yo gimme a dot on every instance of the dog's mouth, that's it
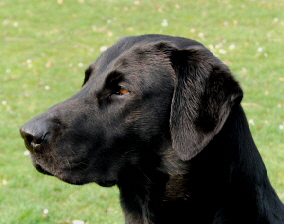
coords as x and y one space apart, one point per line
41 170
68 175
75 174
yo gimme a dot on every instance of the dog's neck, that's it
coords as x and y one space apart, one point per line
227 180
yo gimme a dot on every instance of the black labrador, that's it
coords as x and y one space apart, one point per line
160 117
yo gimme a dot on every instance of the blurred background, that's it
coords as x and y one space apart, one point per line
46 46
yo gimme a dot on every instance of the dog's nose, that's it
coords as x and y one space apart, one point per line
34 134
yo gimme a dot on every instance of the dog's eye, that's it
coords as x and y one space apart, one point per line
119 90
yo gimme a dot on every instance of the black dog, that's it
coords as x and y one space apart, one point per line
159 117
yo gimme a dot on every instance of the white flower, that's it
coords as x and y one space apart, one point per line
78 222
221 51
251 122
201 35
164 22
4 182
26 153
211 47
5 22
232 46
218 45
103 48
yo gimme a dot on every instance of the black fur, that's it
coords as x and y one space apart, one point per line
175 139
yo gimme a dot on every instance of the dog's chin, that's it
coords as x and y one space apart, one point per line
71 179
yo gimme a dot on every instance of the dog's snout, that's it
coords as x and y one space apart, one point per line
34 134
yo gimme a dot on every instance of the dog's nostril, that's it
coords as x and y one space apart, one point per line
32 141
29 139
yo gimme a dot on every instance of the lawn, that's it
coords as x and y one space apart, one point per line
46 45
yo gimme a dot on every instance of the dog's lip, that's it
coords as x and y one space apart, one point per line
41 170
103 183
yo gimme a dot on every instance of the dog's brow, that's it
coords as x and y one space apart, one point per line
115 76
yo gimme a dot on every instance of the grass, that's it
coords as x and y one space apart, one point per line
46 45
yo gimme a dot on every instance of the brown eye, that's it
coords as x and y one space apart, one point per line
120 91
123 91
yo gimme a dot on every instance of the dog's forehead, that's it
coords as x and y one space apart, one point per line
129 43
130 58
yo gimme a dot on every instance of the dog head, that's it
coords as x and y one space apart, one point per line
141 97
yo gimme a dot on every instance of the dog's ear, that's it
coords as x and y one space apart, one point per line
204 94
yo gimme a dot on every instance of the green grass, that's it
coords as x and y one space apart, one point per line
45 47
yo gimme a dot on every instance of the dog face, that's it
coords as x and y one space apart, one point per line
118 117
141 97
